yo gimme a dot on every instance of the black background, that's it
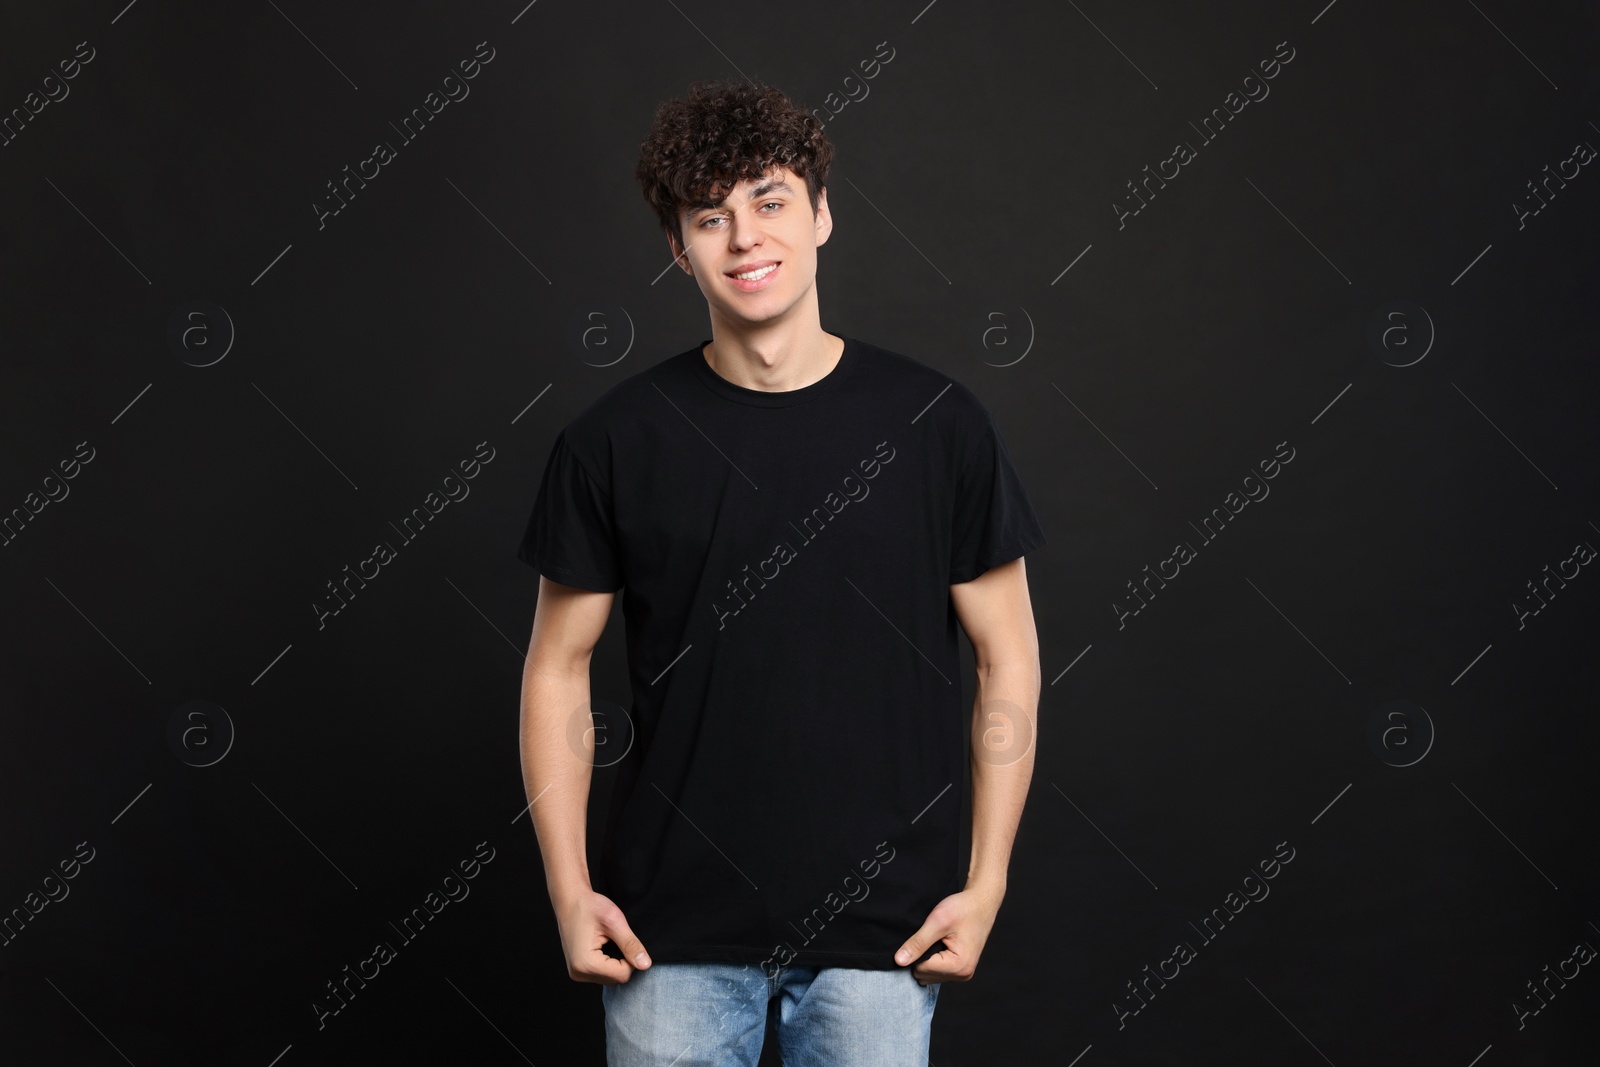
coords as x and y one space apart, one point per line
446 306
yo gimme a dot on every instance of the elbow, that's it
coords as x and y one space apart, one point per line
1018 656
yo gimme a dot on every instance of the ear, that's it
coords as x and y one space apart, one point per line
678 254
824 220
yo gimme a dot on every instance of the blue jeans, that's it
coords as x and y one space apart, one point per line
715 1015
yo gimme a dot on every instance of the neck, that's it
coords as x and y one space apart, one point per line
776 359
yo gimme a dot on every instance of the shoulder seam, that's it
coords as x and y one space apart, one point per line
582 465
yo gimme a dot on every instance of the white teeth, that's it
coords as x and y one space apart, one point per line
753 275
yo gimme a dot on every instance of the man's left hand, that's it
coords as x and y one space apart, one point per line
963 921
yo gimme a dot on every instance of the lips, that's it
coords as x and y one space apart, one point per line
758 283
752 265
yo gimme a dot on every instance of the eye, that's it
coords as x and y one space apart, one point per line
713 218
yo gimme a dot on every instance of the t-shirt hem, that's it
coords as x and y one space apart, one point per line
967 572
755 957
580 580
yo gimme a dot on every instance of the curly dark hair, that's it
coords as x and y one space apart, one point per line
723 133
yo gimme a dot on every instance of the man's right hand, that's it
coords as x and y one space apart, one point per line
586 922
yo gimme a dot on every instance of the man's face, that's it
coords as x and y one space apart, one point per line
759 223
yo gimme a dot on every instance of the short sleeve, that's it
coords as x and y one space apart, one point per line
993 520
571 536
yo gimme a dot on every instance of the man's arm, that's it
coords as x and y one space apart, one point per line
557 764
997 615
567 624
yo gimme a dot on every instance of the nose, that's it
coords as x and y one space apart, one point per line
744 230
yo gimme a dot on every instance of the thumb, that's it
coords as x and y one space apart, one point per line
918 942
626 940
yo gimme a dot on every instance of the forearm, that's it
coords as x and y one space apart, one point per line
557 762
1004 735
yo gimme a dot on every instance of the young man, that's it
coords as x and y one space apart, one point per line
798 520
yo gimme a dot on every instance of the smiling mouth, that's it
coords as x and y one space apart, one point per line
753 280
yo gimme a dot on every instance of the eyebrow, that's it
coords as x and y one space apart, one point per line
771 185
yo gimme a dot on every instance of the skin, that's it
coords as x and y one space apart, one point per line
773 340
997 615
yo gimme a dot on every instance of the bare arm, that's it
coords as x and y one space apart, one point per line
997 615
995 612
557 742
567 624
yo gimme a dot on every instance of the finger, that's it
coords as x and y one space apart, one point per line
917 943
931 934
943 966
604 969
622 935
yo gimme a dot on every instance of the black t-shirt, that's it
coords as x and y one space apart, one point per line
793 788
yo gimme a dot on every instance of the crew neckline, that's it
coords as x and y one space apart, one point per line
780 398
